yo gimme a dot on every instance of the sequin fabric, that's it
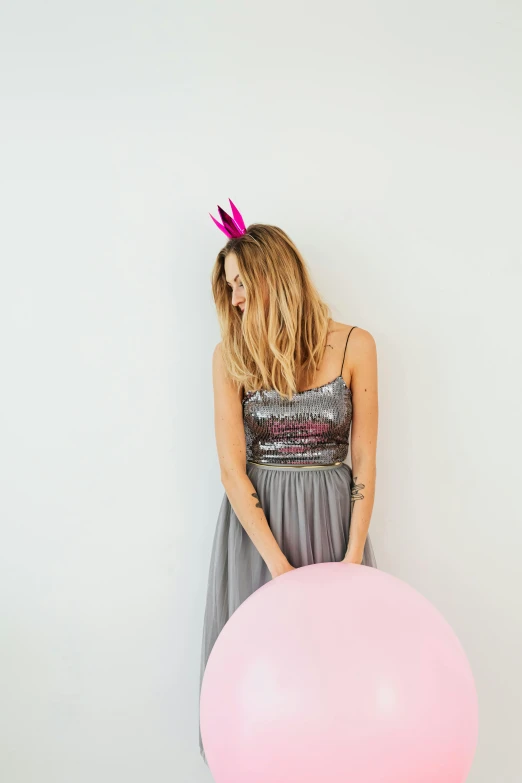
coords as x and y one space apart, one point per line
313 428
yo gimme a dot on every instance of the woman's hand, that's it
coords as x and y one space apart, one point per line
282 568
352 559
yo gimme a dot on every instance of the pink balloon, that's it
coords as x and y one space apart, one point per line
338 673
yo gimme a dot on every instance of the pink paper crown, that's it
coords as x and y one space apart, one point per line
232 226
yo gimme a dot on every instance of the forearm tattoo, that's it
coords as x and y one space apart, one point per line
356 495
256 496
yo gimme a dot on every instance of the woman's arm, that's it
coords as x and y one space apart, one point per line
364 440
231 448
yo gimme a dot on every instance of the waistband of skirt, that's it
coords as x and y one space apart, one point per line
329 466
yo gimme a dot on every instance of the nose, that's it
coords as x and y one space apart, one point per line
237 298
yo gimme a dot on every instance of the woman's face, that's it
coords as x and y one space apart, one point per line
234 282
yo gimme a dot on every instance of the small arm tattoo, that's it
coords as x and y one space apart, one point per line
256 496
356 495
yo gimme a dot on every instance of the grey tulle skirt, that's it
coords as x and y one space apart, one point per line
308 510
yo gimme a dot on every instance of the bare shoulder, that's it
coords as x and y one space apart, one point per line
360 363
228 418
223 384
219 374
361 340
217 356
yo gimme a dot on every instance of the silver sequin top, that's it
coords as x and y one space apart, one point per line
312 428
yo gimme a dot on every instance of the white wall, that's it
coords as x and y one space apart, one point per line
385 139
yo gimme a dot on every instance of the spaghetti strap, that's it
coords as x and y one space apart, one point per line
344 354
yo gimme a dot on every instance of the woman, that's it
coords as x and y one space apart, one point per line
287 387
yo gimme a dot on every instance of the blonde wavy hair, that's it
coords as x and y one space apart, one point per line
282 332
